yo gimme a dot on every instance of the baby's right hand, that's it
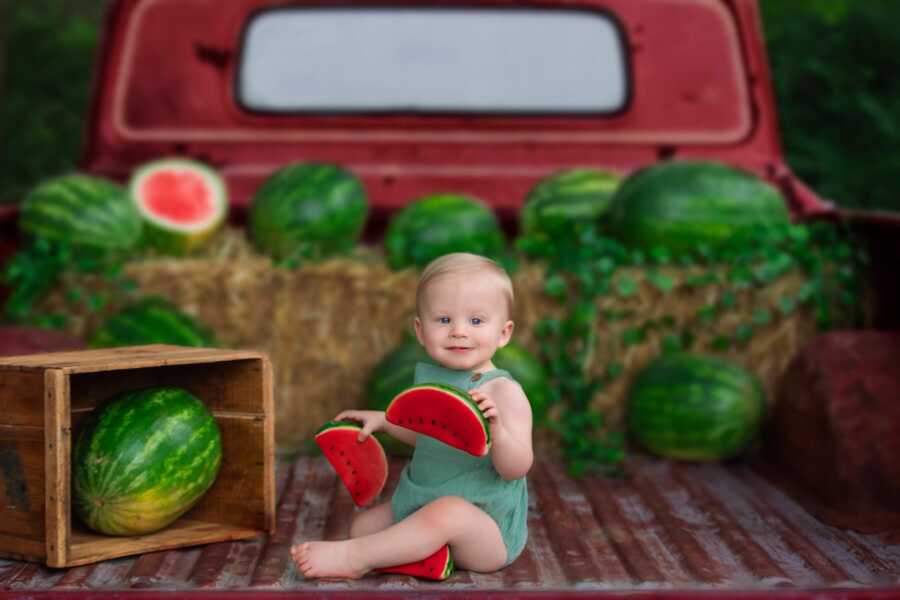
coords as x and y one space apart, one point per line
372 420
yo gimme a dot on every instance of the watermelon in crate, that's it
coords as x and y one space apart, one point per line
143 459
182 202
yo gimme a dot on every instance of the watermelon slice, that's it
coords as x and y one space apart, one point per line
182 203
443 412
362 466
438 566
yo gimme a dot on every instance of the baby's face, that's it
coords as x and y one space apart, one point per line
463 321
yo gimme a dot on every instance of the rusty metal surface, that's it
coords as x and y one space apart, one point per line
665 527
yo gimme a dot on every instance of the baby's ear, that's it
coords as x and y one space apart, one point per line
417 328
506 333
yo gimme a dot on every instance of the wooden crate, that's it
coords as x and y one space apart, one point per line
44 396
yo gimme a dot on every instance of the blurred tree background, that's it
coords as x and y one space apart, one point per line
833 62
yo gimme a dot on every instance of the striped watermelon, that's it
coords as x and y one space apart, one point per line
574 195
143 459
440 224
438 566
361 466
446 413
528 371
692 407
151 320
308 211
81 210
679 205
182 202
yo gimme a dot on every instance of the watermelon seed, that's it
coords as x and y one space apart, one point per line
433 422
421 420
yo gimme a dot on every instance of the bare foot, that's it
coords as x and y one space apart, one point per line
326 559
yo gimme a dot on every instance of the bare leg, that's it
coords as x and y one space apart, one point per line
377 518
473 536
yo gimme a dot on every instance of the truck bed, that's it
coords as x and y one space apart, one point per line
666 526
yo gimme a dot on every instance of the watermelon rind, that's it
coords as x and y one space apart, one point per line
682 205
308 211
81 210
151 320
566 197
439 224
465 402
143 459
695 407
167 235
442 559
376 457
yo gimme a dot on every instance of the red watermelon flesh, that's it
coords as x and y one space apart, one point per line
361 466
182 197
438 566
443 412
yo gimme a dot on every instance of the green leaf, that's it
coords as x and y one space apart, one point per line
744 332
632 336
555 286
787 305
626 286
762 317
660 281
720 342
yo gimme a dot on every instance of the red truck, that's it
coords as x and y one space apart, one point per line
480 97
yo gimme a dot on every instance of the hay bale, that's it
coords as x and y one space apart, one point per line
326 325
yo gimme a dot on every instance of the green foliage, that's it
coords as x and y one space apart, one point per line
43 95
838 105
36 269
584 265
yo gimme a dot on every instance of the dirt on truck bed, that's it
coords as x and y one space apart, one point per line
665 526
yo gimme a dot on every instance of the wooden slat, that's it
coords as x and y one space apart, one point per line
87 547
268 409
126 357
57 432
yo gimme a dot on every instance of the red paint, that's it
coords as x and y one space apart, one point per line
682 105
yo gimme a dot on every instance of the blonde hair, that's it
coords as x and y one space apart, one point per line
464 263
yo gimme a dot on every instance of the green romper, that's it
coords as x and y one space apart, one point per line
437 469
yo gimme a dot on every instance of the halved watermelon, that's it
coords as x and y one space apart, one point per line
438 566
362 466
443 412
182 203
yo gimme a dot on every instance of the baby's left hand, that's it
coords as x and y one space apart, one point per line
488 409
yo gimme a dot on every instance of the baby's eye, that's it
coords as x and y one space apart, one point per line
476 321
444 320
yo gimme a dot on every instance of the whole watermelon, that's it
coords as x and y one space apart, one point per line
566 197
83 211
531 375
440 224
143 459
151 320
679 205
308 211
694 407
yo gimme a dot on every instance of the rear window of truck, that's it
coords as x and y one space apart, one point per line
433 60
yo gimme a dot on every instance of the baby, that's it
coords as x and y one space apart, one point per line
479 506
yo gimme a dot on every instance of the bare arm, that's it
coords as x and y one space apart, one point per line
373 420
509 415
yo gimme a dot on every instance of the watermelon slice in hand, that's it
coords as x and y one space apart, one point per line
443 412
362 466
181 202
438 566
